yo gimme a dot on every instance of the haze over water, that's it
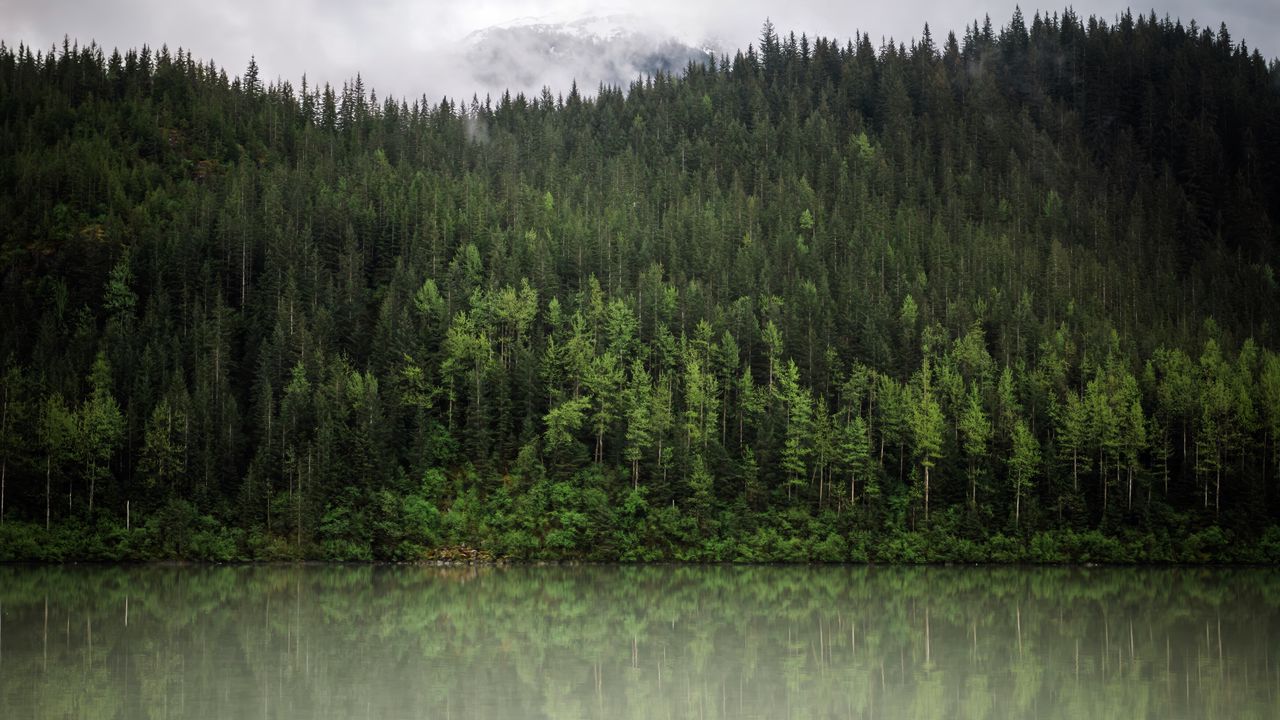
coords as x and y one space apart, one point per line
315 641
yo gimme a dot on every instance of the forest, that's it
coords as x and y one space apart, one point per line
1007 296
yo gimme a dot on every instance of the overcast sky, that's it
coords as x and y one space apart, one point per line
409 48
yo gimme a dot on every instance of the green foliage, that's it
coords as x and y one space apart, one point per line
1024 464
975 293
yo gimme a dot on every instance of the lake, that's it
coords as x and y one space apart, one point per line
337 641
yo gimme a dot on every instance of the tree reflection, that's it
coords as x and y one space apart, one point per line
650 641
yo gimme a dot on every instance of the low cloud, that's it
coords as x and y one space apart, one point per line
411 48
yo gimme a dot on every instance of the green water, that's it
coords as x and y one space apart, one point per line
320 641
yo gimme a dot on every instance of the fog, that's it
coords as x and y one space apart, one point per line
419 48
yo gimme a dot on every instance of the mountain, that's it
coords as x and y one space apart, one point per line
529 53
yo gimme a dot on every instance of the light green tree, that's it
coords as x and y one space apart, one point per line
701 489
1104 431
1176 392
751 402
927 425
468 351
563 422
773 343
604 381
1269 396
163 446
798 408
1133 430
661 419
975 430
701 400
637 407
100 427
1023 463
823 446
855 449
57 433
1073 436
1218 421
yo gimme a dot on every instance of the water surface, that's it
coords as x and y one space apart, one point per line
318 641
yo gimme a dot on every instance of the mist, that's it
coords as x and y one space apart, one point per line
411 49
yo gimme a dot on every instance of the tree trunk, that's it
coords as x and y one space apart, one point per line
1217 490
48 470
818 473
4 464
662 464
1103 474
926 494
973 486
1166 472
1184 445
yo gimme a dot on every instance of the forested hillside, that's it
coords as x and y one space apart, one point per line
1007 295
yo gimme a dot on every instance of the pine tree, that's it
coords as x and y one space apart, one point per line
976 431
798 407
927 425
855 448
637 406
100 427
57 433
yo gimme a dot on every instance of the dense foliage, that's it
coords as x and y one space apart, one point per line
1010 297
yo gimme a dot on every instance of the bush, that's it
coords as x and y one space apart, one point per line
1205 546
832 548
170 529
1004 549
857 547
1093 546
1268 548
343 535
1046 547
903 548
213 543
20 541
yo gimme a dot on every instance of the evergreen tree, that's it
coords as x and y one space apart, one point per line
926 428
976 431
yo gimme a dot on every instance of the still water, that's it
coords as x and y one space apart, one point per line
328 641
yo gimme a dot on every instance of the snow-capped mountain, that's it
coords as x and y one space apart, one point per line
529 53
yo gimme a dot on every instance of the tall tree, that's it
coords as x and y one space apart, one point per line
100 427
927 426
1024 461
975 428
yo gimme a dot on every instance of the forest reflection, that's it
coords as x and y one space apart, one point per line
638 641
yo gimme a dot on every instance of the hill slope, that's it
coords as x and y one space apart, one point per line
1006 296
